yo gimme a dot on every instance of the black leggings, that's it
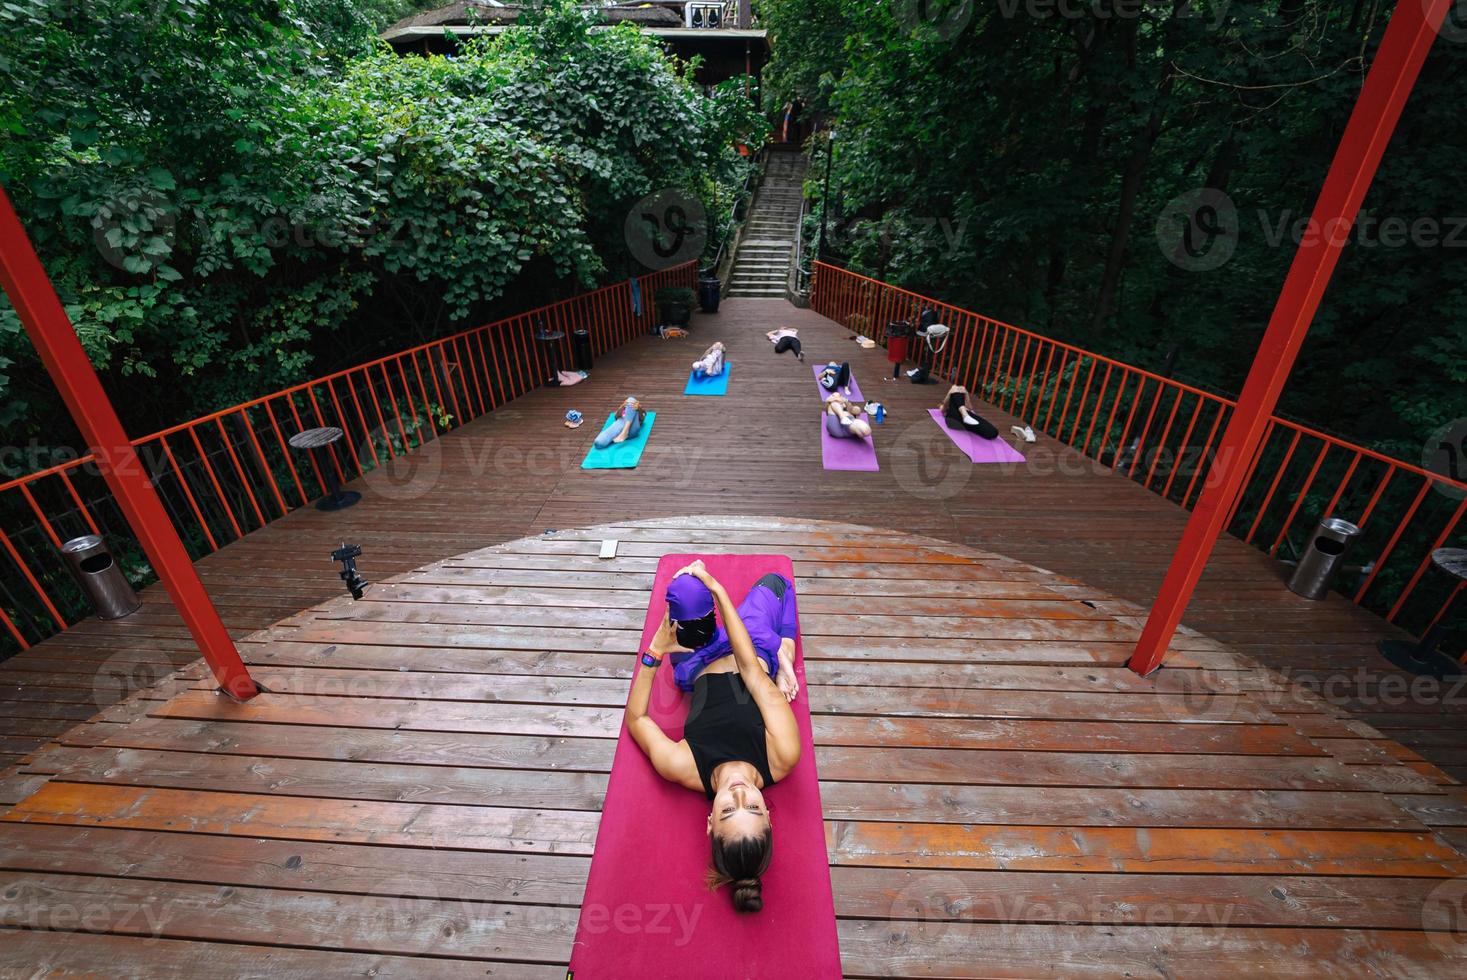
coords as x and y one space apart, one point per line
773 583
841 378
979 426
788 343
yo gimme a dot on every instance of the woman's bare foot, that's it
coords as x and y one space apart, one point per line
785 680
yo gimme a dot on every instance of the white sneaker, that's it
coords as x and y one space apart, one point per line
1023 432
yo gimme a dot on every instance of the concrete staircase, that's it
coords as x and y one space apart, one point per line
762 263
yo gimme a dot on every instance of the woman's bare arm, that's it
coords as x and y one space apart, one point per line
672 760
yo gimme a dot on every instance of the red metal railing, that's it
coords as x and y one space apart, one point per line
1161 433
232 471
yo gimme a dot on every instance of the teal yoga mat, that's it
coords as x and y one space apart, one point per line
709 386
622 455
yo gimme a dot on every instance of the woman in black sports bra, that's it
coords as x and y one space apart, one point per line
740 737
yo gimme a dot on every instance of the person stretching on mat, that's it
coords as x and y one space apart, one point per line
740 736
785 339
710 365
626 425
842 420
836 377
959 416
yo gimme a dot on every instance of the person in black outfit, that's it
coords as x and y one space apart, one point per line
740 736
959 416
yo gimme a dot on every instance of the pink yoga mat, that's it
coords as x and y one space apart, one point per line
646 913
855 394
847 454
978 449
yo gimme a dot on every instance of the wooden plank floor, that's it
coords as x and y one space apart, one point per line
516 472
419 793
1040 798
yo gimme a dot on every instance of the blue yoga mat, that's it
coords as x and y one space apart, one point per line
709 386
621 455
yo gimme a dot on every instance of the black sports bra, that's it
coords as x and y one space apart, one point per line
724 725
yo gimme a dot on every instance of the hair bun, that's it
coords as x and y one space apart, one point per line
747 895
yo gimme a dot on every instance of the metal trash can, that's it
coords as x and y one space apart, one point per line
99 576
1323 558
581 349
548 342
710 290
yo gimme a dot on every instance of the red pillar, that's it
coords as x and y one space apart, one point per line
31 293
1403 50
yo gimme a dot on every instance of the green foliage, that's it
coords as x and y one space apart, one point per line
231 197
675 296
1020 167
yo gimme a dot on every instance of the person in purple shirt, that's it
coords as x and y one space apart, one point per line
768 612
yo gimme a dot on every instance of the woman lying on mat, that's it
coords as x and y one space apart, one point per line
710 365
740 736
959 416
836 377
626 425
785 339
843 420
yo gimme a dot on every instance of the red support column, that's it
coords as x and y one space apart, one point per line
31 293
1403 50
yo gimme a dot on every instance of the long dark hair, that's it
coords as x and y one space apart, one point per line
741 861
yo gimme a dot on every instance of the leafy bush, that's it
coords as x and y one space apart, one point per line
231 197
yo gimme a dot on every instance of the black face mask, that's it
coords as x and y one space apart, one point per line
697 633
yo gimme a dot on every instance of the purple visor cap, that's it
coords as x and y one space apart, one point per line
688 599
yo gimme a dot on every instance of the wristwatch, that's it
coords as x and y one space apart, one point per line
650 661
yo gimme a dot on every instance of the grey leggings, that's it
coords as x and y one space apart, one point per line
710 366
633 419
834 427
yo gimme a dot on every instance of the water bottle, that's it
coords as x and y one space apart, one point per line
880 413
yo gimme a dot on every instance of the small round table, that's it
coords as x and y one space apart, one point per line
1423 658
318 443
550 343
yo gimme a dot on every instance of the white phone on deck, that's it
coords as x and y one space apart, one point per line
608 548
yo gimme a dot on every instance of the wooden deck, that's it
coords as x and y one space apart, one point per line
1003 798
419 793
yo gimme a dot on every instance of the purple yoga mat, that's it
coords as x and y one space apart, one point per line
855 394
846 454
978 449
